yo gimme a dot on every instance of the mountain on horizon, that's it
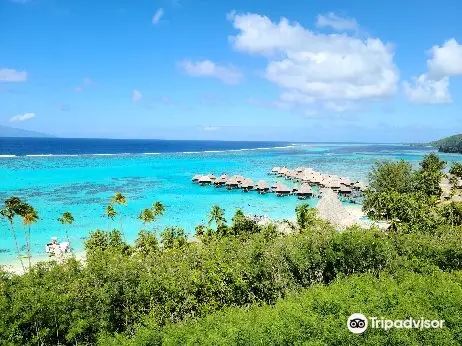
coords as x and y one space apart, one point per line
6 131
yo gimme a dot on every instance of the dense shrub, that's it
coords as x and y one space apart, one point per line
318 315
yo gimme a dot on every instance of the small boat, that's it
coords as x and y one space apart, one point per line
56 248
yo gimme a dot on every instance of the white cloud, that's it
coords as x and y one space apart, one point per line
22 117
446 61
427 90
211 128
207 68
157 16
136 95
11 75
317 67
433 87
336 22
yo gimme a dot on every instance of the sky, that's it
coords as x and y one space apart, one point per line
331 70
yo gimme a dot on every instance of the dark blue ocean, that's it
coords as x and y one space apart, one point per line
81 146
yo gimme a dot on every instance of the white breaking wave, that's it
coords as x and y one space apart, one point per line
153 153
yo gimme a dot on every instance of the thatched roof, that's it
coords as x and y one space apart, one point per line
196 177
305 189
232 181
222 179
331 210
276 169
247 183
205 179
299 169
360 186
262 185
212 177
282 188
345 189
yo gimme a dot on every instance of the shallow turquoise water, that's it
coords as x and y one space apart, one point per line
83 185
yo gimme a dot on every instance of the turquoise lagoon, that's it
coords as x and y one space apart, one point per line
84 184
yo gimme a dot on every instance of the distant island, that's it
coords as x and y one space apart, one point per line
452 144
6 131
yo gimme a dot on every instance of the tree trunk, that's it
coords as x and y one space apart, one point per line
17 245
28 247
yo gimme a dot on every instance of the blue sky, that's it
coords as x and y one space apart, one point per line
233 70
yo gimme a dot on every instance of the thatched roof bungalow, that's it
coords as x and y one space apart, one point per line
282 190
275 170
304 191
247 185
262 186
205 180
221 180
232 183
196 178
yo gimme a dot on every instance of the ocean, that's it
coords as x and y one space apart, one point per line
81 175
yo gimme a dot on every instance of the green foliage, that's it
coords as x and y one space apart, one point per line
146 243
405 197
306 216
456 169
452 213
217 216
242 225
121 288
173 237
430 175
392 176
318 316
100 241
452 144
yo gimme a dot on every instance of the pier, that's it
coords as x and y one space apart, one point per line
305 183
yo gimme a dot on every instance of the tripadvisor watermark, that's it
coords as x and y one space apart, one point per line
358 323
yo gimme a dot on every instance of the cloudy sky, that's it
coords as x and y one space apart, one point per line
377 71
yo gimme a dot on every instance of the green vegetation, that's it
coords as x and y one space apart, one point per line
242 283
452 144
318 315
408 199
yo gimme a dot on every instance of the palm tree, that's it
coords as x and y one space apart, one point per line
147 216
110 214
217 215
158 209
119 199
9 211
29 216
66 218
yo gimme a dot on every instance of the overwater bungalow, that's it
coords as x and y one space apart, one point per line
304 191
316 179
232 184
275 170
238 178
247 185
262 187
205 180
196 178
299 169
282 190
221 181
345 190
283 171
212 177
359 186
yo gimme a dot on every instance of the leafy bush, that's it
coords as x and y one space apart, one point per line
318 316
